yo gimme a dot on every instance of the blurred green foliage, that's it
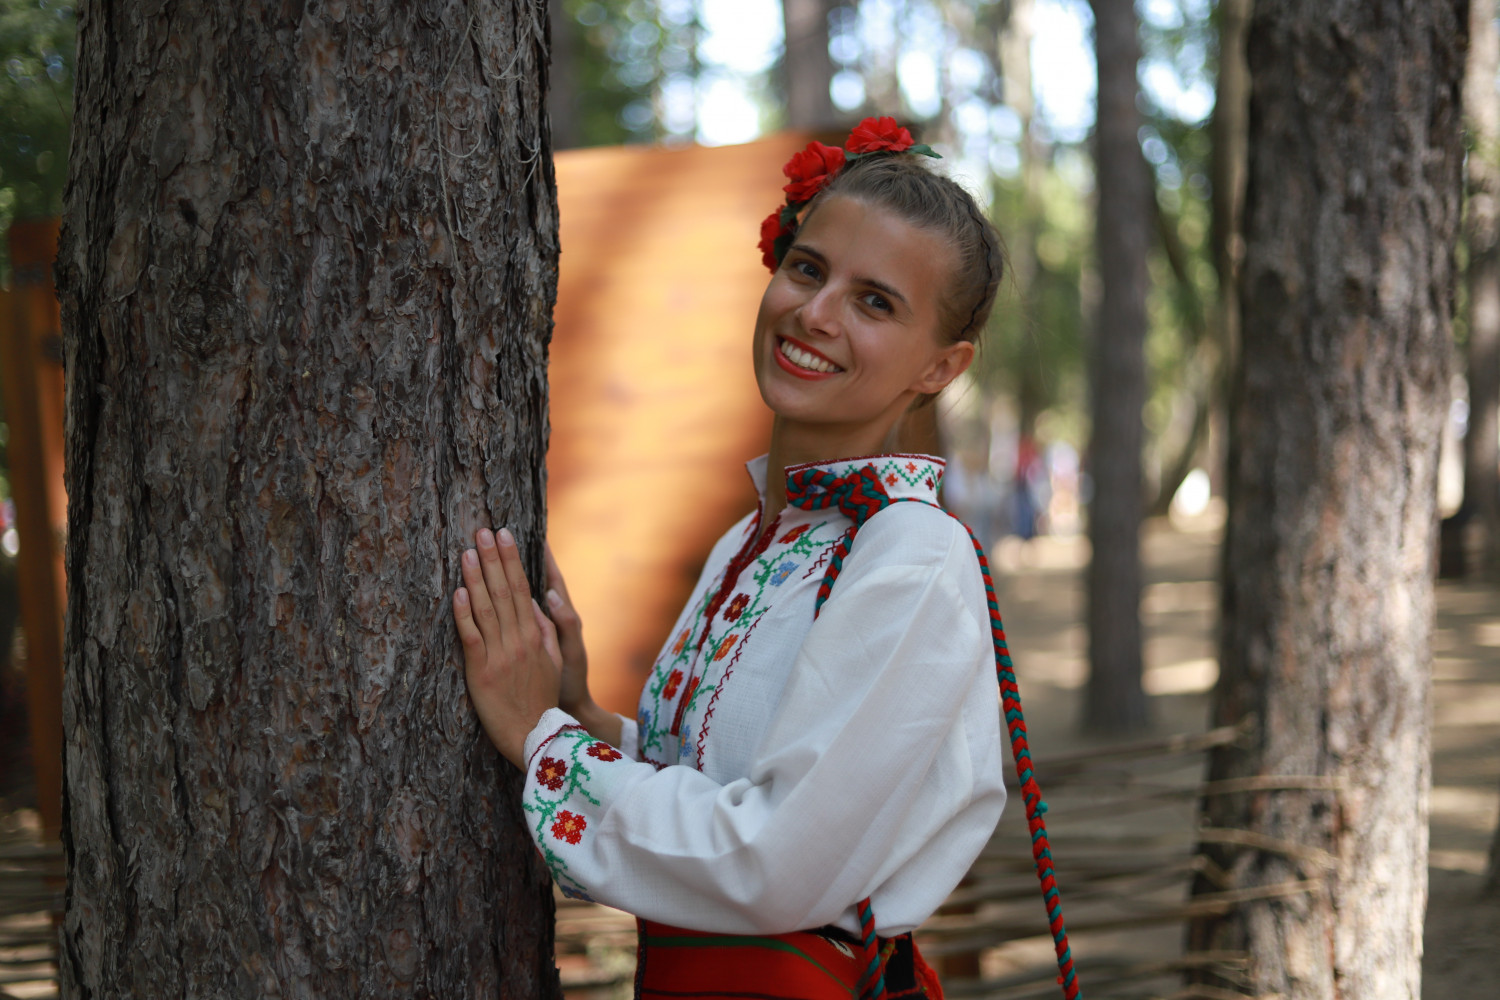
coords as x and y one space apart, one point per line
36 107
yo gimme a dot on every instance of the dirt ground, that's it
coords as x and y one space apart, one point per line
1041 597
1042 601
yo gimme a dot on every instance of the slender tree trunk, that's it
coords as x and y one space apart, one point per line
1351 215
1482 232
807 66
307 271
1229 130
562 78
1027 367
1491 888
1115 701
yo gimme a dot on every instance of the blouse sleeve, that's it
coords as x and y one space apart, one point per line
886 740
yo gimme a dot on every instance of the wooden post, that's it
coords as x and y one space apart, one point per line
31 367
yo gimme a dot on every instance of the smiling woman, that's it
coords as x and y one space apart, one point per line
815 760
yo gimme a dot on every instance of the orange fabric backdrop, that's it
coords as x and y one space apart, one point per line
653 403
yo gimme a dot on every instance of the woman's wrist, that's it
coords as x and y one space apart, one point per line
585 710
600 722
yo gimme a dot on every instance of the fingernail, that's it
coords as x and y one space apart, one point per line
554 599
461 598
471 558
485 538
506 538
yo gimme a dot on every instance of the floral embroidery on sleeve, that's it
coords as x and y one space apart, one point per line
564 773
569 826
550 773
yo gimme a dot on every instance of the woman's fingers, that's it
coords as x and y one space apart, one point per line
554 575
549 633
498 584
564 615
481 608
520 590
468 630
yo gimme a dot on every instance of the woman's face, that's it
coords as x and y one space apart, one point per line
847 334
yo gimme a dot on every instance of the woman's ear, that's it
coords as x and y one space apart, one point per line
951 362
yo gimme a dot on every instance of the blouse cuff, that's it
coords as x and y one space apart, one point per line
552 722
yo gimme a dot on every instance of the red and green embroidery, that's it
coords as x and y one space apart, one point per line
688 667
562 770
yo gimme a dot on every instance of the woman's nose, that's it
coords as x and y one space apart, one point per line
820 314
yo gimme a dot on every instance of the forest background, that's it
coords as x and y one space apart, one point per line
1006 89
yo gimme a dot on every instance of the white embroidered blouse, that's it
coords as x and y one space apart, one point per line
780 767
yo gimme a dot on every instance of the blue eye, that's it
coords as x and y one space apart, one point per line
807 268
878 301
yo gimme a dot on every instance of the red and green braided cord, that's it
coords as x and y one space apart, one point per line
859 496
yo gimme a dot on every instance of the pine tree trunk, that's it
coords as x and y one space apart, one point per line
1482 233
1228 134
1351 215
1115 701
1481 451
807 66
307 274
562 77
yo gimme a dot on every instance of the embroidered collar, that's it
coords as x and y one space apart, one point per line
902 475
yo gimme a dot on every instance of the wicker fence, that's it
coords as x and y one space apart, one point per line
1123 832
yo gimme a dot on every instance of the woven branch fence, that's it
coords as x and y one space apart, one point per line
1123 829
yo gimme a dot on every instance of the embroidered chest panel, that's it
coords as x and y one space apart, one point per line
735 645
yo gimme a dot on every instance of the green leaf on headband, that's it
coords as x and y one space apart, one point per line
925 150
782 244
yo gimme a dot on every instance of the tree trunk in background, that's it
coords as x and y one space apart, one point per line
562 77
1482 232
807 66
1355 144
1115 701
1029 369
1228 132
307 273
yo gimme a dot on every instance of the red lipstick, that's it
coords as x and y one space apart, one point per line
803 373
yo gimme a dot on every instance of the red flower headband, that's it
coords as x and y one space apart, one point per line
811 170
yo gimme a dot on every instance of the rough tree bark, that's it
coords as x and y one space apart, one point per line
1352 211
807 67
1115 701
307 271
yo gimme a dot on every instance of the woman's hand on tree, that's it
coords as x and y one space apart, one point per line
512 662
573 697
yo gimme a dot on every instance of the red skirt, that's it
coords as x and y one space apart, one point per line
677 964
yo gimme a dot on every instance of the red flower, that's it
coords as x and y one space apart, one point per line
911 466
810 170
569 826
681 641
874 135
890 479
725 647
604 752
770 230
794 534
551 772
671 689
737 607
